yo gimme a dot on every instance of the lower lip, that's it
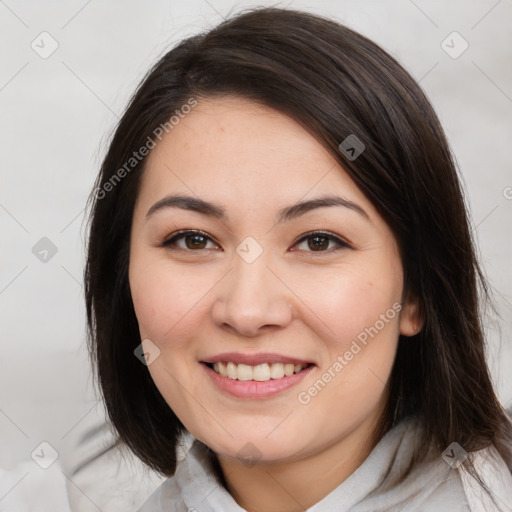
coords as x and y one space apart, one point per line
253 388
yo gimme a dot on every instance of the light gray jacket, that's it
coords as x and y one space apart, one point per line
442 486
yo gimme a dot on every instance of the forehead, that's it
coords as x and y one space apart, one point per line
240 151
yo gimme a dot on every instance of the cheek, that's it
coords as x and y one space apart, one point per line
168 304
167 300
358 316
347 304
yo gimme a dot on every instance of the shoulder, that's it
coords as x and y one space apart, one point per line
494 473
439 484
166 497
437 487
451 487
194 485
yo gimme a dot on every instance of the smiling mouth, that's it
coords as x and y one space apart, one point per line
260 373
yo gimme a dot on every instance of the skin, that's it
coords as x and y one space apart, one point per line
194 301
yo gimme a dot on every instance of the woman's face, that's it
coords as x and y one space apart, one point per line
258 291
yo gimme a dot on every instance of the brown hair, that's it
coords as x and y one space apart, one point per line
334 82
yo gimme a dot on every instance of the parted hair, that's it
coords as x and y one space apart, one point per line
334 82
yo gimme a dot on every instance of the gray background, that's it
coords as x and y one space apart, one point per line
56 116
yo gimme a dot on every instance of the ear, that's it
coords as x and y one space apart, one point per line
412 317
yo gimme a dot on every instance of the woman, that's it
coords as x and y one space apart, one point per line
280 271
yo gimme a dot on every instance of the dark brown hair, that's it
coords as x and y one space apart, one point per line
334 82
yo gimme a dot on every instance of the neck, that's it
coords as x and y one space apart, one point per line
297 485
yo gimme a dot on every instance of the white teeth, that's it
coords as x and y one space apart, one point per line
232 370
289 369
277 371
261 372
244 372
222 369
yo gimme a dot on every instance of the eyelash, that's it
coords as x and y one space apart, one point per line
169 242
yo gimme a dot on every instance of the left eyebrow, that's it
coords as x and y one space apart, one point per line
301 208
284 215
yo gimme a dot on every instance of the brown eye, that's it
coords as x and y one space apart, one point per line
193 240
319 242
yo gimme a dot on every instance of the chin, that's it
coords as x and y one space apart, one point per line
257 449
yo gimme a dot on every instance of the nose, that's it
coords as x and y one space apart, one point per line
252 299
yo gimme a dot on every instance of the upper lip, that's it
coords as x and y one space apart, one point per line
255 359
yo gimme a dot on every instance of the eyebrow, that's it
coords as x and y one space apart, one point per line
284 215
